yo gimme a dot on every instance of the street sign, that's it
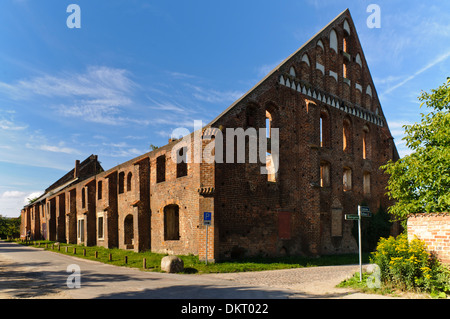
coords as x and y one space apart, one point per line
351 217
207 218
207 222
364 211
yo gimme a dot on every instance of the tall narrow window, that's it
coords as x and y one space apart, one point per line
161 169
324 124
129 181
365 142
324 174
182 162
100 190
268 123
333 41
80 230
128 231
347 179
100 221
121 182
270 165
83 197
346 135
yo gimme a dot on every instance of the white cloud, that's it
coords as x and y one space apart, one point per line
436 61
97 95
12 202
214 96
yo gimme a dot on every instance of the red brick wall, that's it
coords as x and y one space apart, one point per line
434 230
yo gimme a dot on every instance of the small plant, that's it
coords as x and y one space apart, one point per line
407 265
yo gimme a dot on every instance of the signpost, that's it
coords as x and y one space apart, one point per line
207 222
363 211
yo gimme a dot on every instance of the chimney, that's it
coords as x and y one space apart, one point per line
76 171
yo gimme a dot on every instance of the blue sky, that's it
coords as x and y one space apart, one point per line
136 70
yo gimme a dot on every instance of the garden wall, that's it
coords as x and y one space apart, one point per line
434 230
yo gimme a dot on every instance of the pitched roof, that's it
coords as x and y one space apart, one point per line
332 22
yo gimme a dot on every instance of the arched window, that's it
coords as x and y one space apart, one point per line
333 41
346 27
292 71
270 161
305 59
171 222
268 123
121 182
182 162
358 60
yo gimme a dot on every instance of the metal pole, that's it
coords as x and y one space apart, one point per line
207 244
360 247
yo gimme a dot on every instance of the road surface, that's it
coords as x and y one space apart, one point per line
27 272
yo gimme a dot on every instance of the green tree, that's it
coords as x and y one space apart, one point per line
9 227
420 182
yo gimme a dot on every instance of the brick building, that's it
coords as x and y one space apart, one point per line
332 139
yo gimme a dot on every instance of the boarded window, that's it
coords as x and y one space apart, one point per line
347 179
284 225
324 174
171 222
161 169
366 184
336 222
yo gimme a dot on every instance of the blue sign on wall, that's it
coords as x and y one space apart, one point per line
207 218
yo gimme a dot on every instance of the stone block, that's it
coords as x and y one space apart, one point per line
172 264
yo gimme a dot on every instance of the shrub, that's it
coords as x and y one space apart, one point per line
408 265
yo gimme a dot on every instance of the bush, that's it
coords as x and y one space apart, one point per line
408 266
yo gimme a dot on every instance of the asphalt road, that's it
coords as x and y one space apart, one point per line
27 272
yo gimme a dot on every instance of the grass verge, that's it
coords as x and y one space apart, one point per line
192 265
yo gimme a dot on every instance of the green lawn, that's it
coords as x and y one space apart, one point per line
191 263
